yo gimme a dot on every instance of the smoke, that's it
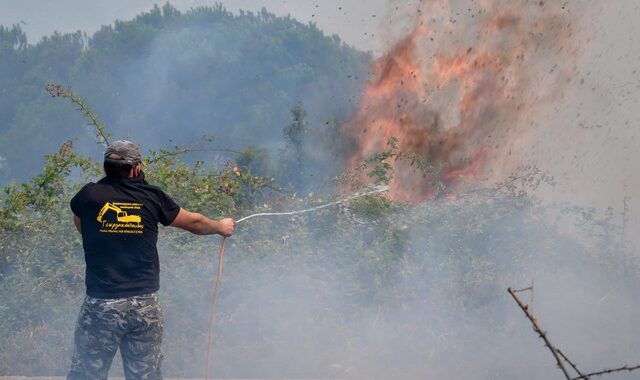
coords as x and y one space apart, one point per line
423 294
194 80
372 292
384 290
168 78
463 88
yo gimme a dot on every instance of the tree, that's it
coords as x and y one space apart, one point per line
167 77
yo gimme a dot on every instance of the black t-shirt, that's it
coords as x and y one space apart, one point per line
119 225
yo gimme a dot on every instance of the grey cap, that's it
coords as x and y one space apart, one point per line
125 150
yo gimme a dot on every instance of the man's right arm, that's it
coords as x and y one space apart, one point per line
201 225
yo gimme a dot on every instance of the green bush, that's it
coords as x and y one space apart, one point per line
370 289
299 293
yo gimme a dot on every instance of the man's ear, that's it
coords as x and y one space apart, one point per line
135 171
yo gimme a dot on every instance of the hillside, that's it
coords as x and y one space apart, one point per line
168 77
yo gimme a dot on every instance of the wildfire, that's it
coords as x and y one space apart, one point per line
462 89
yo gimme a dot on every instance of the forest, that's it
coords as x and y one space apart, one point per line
168 78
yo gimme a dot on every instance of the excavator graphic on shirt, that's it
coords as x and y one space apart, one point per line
121 216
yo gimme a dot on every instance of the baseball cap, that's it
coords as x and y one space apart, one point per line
128 152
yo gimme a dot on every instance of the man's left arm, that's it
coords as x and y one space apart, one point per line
76 221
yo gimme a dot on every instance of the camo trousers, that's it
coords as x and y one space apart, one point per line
133 324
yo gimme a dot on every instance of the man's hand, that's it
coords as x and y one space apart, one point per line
201 225
227 227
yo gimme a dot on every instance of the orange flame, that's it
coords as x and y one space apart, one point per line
460 90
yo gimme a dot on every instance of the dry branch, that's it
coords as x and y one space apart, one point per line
58 91
557 354
575 368
541 333
607 371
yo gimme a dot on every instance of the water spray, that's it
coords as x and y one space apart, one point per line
375 190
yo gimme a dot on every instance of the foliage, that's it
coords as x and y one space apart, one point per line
56 90
379 169
254 160
373 260
167 77
294 159
371 285
294 132
41 251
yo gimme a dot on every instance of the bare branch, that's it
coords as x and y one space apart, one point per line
557 354
575 368
58 91
607 371
541 333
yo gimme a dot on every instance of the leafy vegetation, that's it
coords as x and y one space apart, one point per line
372 289
169 77
349 285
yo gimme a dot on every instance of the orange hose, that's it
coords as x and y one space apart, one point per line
214 304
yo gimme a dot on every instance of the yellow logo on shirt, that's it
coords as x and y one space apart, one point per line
120 221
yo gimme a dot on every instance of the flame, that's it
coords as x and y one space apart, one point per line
461 91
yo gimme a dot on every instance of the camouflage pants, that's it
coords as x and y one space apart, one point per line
133 324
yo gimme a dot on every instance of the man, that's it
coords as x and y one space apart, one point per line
118 218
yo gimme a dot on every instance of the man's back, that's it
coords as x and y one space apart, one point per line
119 228
118 218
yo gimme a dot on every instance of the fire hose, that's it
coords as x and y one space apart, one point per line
216 286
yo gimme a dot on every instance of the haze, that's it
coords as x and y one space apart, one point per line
590 143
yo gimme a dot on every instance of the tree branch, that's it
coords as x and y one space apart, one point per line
575 368
557 354
57 91
541 333
607 371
